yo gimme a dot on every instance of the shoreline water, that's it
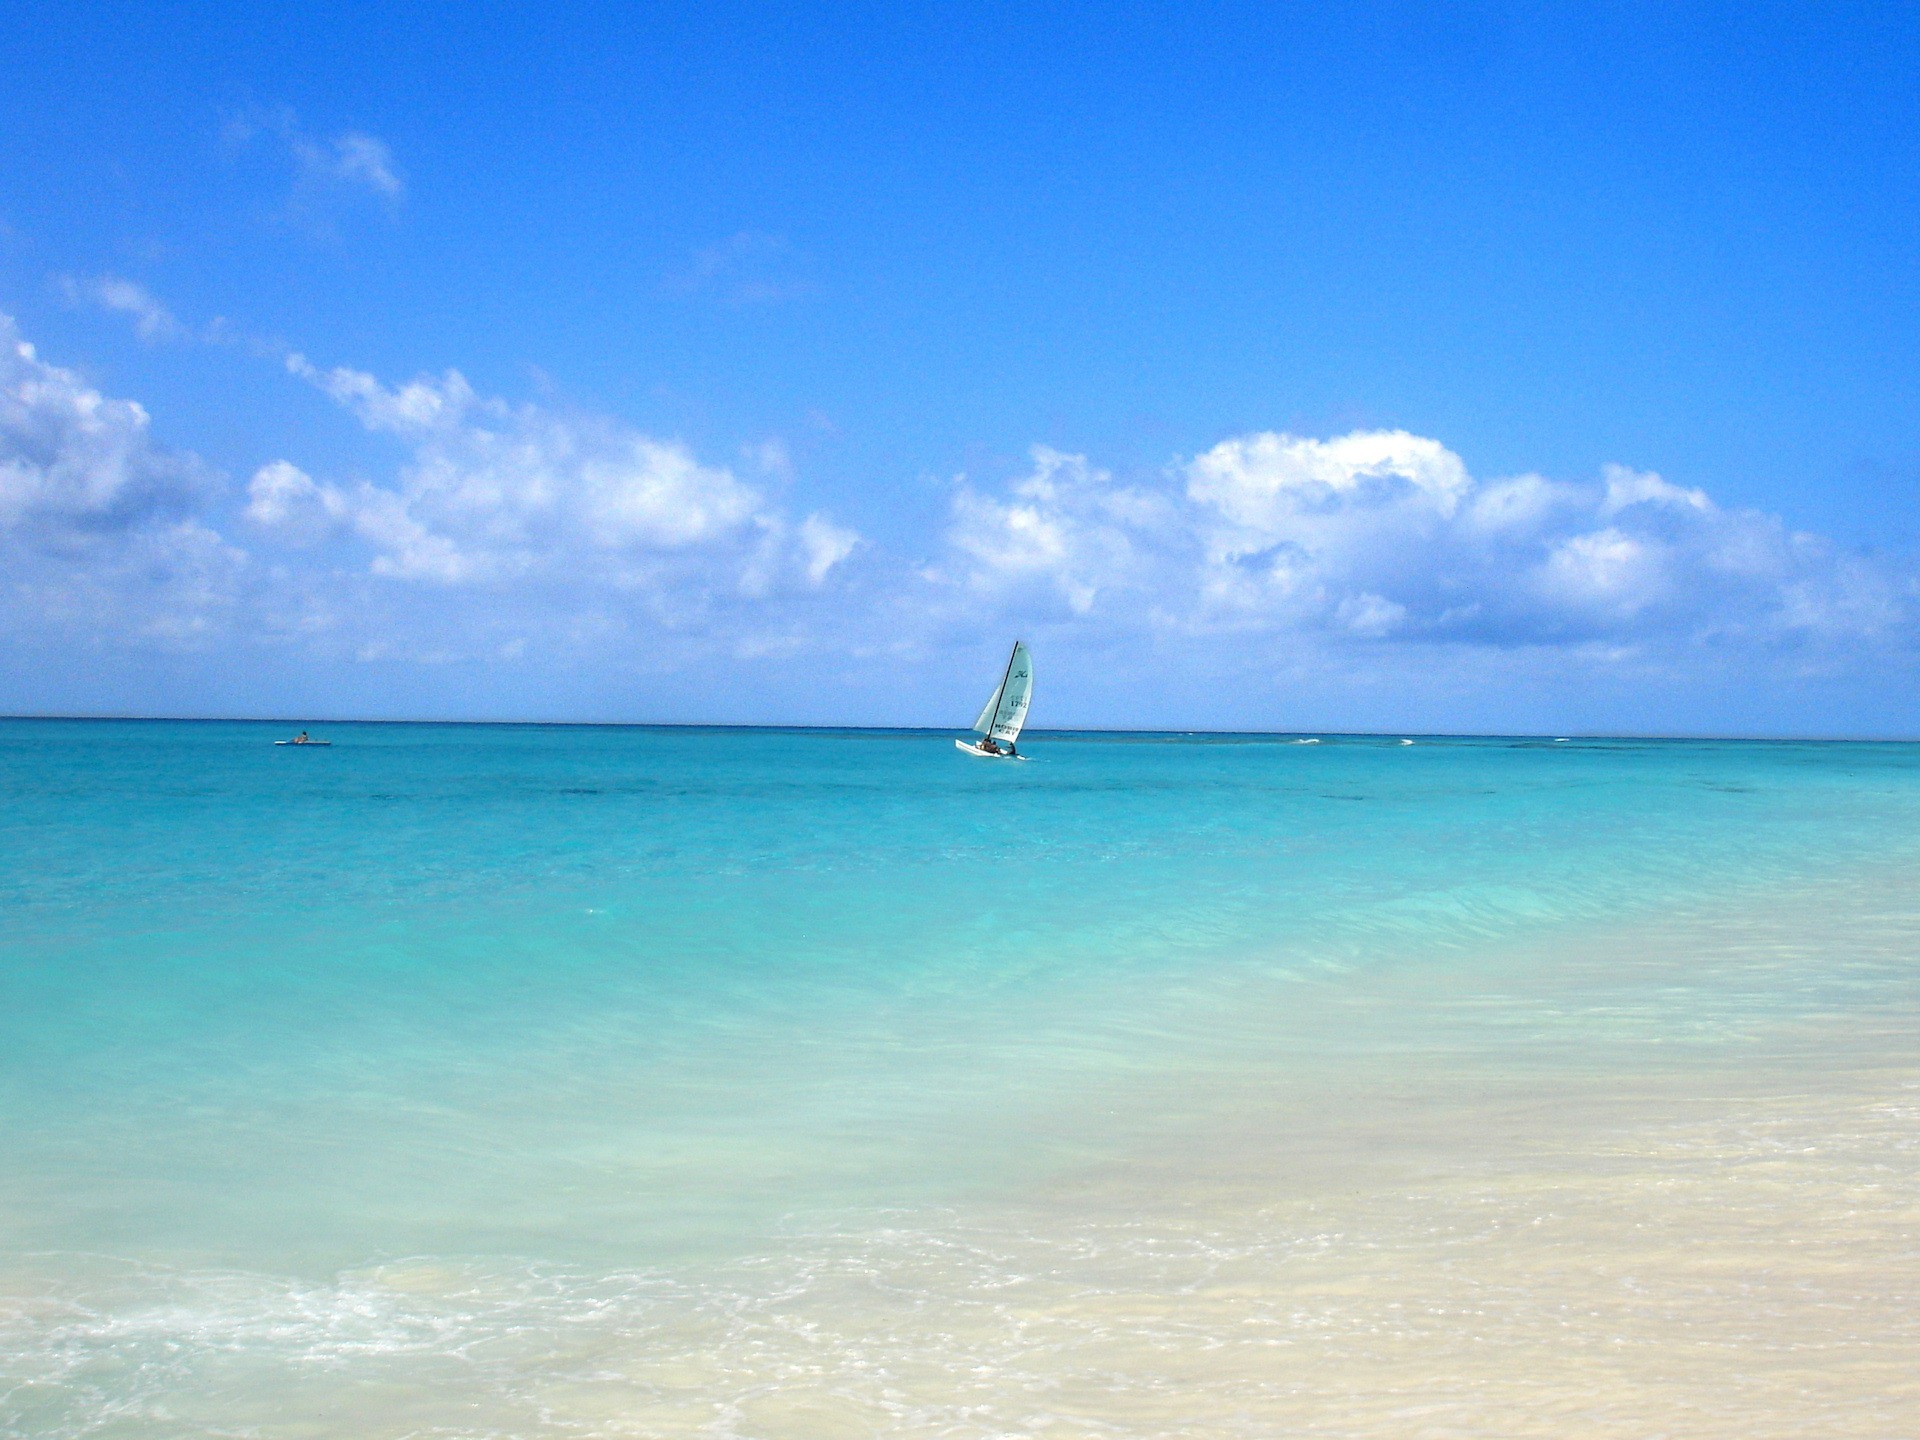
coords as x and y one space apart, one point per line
1704 1242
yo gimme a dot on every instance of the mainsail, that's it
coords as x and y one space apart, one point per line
1006 709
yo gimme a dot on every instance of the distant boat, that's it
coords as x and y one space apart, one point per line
302 740
1005 711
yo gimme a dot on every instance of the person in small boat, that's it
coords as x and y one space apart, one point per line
988 746
301 738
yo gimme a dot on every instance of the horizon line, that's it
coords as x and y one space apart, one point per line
1820 739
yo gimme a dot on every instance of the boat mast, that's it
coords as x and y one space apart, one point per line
1001 697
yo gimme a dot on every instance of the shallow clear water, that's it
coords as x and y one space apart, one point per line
511 1080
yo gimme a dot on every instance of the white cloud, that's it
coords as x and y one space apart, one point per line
578 526
1065 527
284 498
287 503
1518 504
492 488
73 458
100 525
1641 487
1385 534
151 320
1271 489
825 545
476 528
358 159
1607 570
327 170
1370 615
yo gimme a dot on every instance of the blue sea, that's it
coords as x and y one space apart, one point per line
476 1080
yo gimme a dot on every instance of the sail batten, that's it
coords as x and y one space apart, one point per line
1006 709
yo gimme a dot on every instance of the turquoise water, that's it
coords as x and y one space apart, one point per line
607 998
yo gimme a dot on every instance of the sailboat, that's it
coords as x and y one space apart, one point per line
1005 711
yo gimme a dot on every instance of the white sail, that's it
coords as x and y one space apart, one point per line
984 725
1006 709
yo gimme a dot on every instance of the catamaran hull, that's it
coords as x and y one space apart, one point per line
979 754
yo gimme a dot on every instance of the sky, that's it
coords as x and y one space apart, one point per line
1495 368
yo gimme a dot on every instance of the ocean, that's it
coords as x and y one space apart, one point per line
496 1080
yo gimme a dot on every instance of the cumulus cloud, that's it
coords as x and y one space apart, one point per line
1267 488
492 489
1065 528
824 545
101 532
484 530
1385 534
284 499
73 459
582 530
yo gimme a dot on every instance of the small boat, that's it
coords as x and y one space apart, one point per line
303 743
1006 709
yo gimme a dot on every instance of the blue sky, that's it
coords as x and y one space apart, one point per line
1506 368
